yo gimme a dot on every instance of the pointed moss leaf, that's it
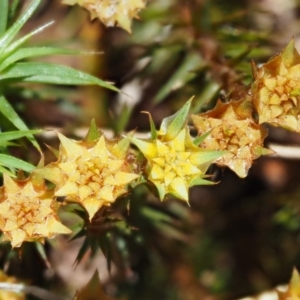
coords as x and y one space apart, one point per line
37 178
182 75
201 181
8 36
82 251
21 175
3 15
199 139
171 126
288 53
34 52
152 126
161 192
209 156
93 133
13 46
12 162
7 110
41 163
12 135
122 146
53 150
52 73
263 151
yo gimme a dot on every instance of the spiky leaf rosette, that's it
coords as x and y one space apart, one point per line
293 291
110 12
8 295
232 129
276 90
28 211
174 163
90 172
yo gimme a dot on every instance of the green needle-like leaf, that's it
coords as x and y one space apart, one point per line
93 133
12 135
7 110
201 181
12 162
3 15
15 45
52 73
22 53
207 156
199 139
152 126
8 36
171 126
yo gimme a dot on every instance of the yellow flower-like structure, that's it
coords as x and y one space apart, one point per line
276 90
112 12
28 211
232 129
90 173
176 164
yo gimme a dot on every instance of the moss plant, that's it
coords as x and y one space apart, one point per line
97 175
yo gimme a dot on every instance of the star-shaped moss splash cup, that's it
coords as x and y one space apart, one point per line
92 172
174 163
111 13
276 90
28 211
229 127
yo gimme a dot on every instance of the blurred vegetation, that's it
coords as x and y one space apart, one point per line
236 238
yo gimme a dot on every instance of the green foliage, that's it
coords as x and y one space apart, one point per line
14 71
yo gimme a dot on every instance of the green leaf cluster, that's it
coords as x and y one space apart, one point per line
16 70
